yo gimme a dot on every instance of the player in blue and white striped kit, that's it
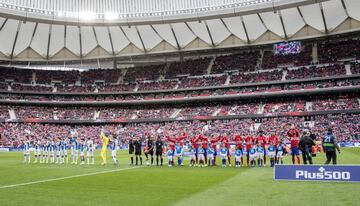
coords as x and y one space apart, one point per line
192 153
82 148
223 154
260 151
238 155
74 150
210 154
37 152
58 151
46 152
52 151
26 150
64 153
90 151
179 151
114 146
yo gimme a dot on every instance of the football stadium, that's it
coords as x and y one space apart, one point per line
180 102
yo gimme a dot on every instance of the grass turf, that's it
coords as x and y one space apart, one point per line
165 186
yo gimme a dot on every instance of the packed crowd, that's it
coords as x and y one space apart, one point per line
335 104
346 127
186 82
244 62
332 51
264 76
355 68
205 81
270 60
160 85
313 71
268 108
151 72
175 94
192 67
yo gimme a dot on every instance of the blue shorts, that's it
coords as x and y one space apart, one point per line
295 151
196 152
205 152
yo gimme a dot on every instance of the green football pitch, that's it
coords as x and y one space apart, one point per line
45 184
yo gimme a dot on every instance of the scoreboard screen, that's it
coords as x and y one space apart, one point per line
285 48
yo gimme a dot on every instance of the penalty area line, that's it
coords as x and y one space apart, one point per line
68 177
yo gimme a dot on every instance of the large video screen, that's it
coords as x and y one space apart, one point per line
285 48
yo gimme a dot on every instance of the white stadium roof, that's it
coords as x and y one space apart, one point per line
60 30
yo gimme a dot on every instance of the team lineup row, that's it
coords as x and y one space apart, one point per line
201 150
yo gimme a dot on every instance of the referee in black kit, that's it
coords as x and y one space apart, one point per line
330 146
131 151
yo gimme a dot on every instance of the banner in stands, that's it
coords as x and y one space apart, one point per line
336 173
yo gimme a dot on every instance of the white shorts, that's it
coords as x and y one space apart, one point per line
260 155
252 156
74 152
65 153
210 156
58 153
81 153
178 155
223 156
192 157
90 153
170 158
201 157
271 154
52 152
237 158
46 152
38 152
280 154
113 153
26 152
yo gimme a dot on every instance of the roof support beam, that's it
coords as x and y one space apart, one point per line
16 36
211 38
176 40
323 18
190 29
111 42
48 43
3 24
262 21
81 51
33 34
246 33
227 28
141 40
96 38
345 9
302 16
282 25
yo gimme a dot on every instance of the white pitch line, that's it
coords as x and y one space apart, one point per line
68 177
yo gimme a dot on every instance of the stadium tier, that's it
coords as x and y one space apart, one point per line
348 131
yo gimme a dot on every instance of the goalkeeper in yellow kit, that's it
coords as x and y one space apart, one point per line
104 146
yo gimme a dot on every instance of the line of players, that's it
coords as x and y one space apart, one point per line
203 151
56 152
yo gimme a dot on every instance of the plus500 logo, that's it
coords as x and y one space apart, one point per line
325 175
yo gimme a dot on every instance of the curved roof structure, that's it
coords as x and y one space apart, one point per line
58 30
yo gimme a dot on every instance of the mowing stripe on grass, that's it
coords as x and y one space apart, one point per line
68 177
